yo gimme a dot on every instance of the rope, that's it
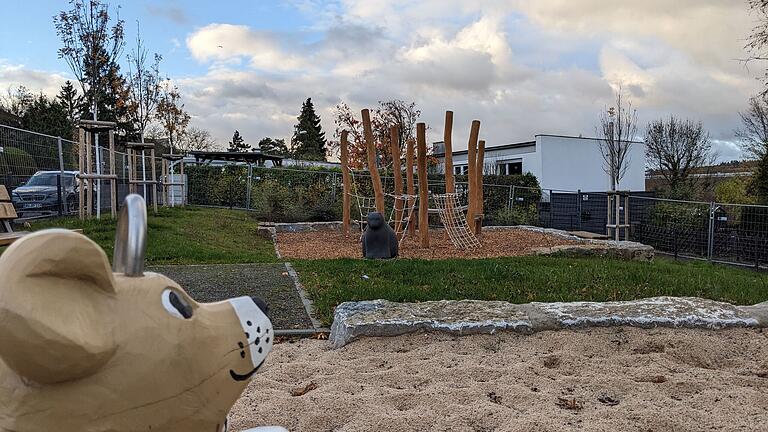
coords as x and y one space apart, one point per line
367 204
455 222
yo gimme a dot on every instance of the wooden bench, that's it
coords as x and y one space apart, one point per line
7 215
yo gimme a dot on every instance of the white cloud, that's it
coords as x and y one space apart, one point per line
14 75
227 43
521 66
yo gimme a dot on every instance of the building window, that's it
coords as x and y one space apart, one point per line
460 170
510 168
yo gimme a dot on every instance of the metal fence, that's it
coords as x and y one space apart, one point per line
54 190
730 233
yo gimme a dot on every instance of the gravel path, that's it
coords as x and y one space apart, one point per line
271 282
495 243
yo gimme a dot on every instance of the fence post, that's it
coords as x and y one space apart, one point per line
248 188
512 197
61 174
333 188
711 232
578 207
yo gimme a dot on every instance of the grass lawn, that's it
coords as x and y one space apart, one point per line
185 236
524 279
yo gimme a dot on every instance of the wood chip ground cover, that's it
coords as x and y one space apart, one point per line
495 243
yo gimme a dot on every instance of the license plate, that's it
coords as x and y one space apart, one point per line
32 205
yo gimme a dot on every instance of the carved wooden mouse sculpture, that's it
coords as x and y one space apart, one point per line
84 349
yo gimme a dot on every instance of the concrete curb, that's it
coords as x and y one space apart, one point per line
309 307
353 320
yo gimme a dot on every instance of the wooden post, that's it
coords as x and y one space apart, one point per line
423 184
372 167
471 168
88 166
409 184
183 183
154 178
448 144
346 204
112 182
394 144
81 167
480 163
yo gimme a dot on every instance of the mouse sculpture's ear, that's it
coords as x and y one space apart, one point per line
56 301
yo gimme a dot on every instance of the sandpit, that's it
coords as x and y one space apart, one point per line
331 244
608 379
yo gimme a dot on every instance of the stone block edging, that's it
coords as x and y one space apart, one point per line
353 320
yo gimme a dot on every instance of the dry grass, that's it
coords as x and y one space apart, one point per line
495 243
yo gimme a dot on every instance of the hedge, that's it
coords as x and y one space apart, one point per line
307 194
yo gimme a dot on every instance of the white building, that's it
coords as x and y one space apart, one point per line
558 162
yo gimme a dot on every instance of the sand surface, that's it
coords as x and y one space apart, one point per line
495 243
612 379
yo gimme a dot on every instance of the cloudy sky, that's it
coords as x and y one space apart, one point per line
522 67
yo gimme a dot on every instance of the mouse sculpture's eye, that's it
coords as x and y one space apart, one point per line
176 304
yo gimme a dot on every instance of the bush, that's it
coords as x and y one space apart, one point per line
681 215
518 215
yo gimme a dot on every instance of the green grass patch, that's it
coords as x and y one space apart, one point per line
185 235
524 279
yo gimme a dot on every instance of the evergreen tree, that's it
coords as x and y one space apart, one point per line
276 147
238 144
308 139
71 101
48 117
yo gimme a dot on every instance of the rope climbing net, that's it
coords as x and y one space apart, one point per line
404 204
454 219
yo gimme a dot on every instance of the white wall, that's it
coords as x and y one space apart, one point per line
569 163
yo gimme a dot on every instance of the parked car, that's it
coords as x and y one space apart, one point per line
40 193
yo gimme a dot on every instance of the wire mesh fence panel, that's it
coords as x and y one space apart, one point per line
739 234
680 228
30 168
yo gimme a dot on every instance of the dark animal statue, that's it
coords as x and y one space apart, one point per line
379 239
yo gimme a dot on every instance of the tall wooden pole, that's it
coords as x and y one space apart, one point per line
409 184
88 167
448 144
474 133
421 140
81 168
372 167
394 145
154 178
346 209
112 182
479 187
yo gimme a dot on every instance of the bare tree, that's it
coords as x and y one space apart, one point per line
196 138
171 113
17 100
91 47
143 86
618 128
758 40
389 113
676 148
754 130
